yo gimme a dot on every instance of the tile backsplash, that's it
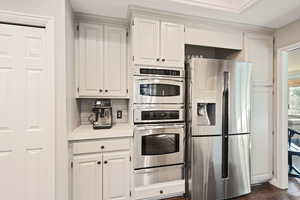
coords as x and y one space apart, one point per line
117 105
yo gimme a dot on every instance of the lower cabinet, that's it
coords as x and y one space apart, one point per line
101 176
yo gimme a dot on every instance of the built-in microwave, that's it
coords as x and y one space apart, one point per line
158 145
158 113
158 85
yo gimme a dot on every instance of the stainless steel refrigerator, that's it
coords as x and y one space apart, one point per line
218 124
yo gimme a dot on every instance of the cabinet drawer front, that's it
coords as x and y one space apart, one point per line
161 190
101 146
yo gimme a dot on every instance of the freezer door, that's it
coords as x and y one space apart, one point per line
238 181
239 88
205 182
205 86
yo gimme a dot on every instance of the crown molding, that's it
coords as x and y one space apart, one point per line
189 20
100 19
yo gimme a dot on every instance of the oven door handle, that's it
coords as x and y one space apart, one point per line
158 127
158 79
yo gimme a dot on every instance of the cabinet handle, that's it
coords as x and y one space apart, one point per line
106 90
102 147
100 90
161 191
163 60
105 162
157 59
99 162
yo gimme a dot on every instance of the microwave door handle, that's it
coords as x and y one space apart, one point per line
225 121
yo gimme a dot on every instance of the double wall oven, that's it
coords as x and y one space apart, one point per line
159 135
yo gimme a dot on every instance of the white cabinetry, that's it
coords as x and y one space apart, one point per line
101 170
102 61
258 49
158 43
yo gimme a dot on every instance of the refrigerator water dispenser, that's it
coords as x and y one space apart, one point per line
206 113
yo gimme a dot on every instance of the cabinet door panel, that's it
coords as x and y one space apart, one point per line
172 44
91 59
116 176
259 51
87 177
115 67
261 134
146 41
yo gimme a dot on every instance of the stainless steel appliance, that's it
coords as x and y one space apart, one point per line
157 113
158 145
218 124
158 85
102 114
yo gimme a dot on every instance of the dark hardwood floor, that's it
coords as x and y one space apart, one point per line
269 192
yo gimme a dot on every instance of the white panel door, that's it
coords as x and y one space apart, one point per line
27 120
91 59
116 176
172 44
146 39
261 134
115 67
87 177
259 51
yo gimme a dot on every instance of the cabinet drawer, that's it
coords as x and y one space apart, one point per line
161 190
101 146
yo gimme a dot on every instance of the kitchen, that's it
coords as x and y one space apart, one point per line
157 105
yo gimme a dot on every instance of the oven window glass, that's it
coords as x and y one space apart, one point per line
160 144
160 115
160 90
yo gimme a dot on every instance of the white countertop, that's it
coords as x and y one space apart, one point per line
86 132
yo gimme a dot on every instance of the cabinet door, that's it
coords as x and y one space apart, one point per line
172 44
116 176
87 177
146 41
115 67
91 59
259 51
261 134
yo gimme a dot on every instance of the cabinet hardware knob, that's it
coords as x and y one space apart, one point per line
157 59
105 162
163 60
106 90
161 191
102 147
100 90
99 162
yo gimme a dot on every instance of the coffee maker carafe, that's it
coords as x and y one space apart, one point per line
102 114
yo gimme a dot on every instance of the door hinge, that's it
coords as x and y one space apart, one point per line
184 29
127 91
71 164
78 89
77 27
129 158
133 58
130 193
127 34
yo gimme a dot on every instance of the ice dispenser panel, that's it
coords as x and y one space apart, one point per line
206 113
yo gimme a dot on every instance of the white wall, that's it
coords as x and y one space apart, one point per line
287 35
56 9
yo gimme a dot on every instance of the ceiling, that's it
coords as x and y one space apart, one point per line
294 61
267 13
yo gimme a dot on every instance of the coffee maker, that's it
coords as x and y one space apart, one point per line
102 114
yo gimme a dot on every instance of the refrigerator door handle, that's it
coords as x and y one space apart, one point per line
225 121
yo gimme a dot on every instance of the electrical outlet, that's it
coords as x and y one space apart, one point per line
119 114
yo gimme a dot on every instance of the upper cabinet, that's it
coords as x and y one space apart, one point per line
158 43
102 61
259 50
